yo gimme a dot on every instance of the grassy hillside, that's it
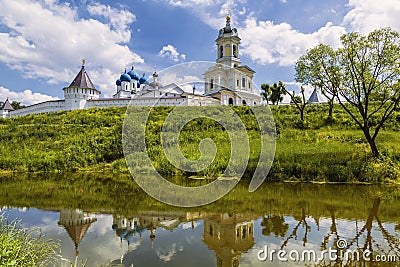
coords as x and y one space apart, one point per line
315 150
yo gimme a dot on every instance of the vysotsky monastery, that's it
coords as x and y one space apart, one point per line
226 83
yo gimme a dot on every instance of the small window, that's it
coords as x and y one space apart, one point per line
221 51
249 85
234 51
212 83
237 83
244 82
230 101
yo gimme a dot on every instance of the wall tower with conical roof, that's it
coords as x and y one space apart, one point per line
80 90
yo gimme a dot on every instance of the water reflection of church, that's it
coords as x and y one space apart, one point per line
228 235
77 223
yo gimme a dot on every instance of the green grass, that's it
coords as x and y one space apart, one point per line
24 247
91 140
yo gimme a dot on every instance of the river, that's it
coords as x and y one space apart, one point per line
310 224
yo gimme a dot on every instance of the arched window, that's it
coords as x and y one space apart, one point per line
244 82
244 103
221 51
212 83
235 51
230 101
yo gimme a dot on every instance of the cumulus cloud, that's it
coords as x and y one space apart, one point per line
368 15
26 97
46 39
170 52
266 42
119 19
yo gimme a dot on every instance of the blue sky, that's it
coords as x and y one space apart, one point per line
43 42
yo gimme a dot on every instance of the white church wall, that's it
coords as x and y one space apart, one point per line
44 107
3 113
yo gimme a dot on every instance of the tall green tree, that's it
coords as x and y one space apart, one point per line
266 90
319 68
364 73
274 93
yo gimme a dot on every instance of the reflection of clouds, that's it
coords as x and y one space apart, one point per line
181 246
188 225
104 227
167 256
100 244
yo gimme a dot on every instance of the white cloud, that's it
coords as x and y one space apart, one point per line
46 39
26 97
368 15
266 42
119 19
170 52
191 3
167 256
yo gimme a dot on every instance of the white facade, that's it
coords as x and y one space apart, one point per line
228 80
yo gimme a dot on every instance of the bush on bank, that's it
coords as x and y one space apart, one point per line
319 149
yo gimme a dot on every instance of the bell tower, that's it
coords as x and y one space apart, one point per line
228 42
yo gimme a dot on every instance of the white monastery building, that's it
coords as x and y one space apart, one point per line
226 83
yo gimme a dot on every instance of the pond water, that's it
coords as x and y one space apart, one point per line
299 219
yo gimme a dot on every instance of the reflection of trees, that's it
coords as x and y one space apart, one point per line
274 224
369 241
333 231
301 222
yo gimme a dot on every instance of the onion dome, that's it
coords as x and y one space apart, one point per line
144 79
125 77
118 82
133 74
228 30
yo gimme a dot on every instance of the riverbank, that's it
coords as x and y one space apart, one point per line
318 150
